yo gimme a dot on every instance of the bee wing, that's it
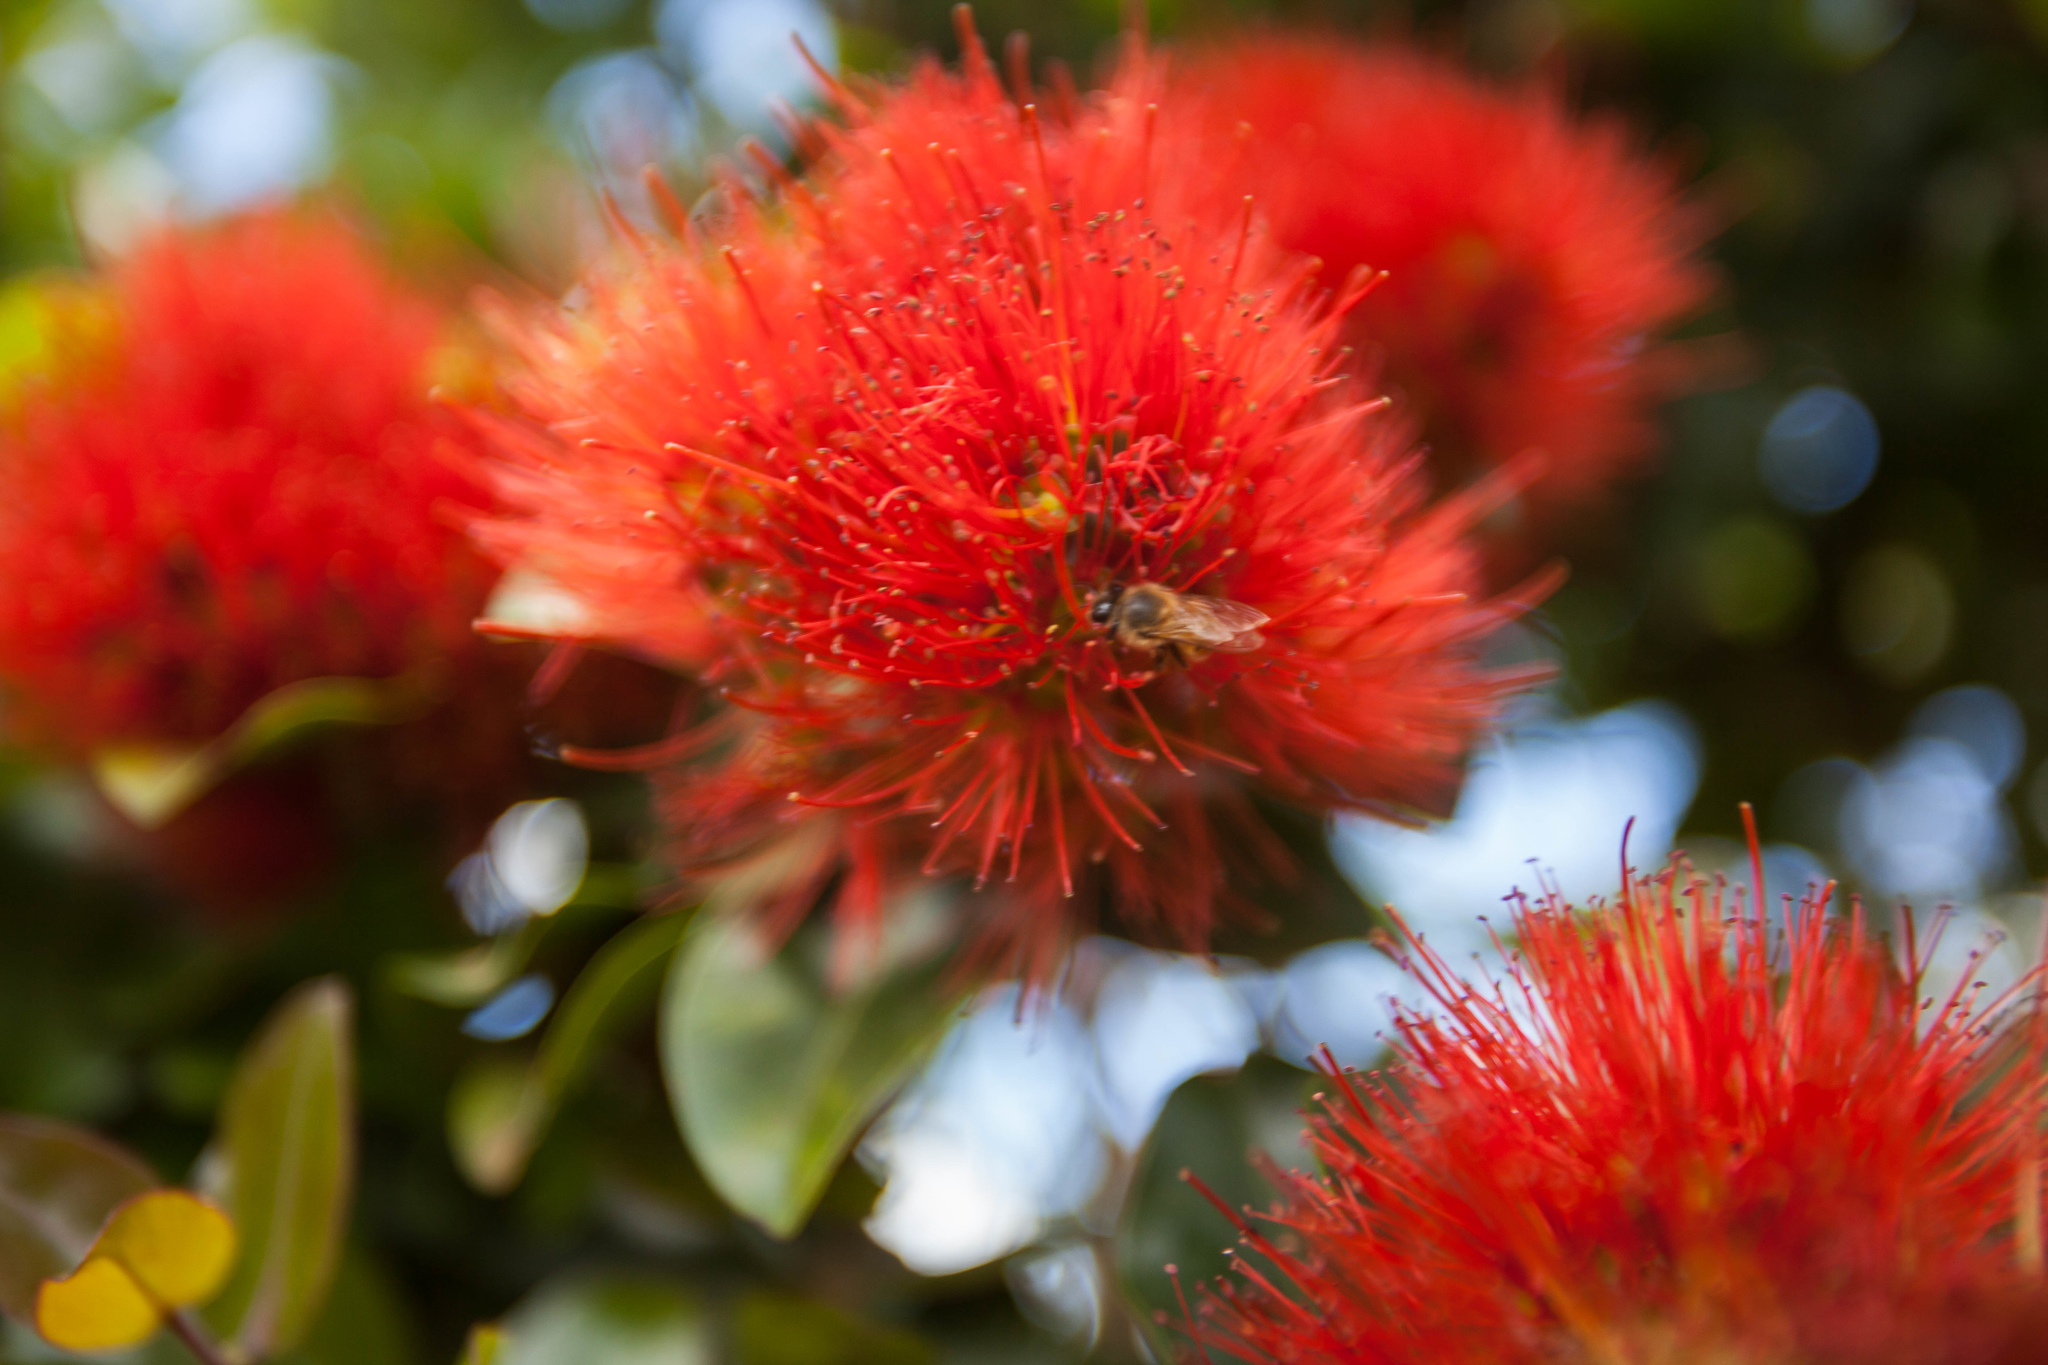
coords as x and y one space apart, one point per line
1213 623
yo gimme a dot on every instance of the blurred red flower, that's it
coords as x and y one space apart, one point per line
874 457
1672 1134
1533 255
228 480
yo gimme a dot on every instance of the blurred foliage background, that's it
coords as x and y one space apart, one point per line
1878 170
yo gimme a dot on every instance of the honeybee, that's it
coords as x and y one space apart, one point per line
1184 626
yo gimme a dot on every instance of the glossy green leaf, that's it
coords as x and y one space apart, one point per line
773 1072
499 1111
58 1185
283 1165
610 1320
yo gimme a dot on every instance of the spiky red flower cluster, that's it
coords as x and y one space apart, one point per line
229 482
1532 254
865 455
1672 1135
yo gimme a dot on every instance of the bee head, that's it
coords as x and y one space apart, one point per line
1104 605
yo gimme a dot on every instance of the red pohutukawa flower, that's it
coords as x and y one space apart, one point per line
1532 254
878 458
230 481
1673 1134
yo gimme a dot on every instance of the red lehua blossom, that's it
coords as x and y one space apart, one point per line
1672 1135
868 455
1532 254
231 482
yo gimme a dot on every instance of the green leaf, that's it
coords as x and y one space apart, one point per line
779 1329
773 1073
496 1117
499 1111
314 702
363 1321
58 1185
1206 1129
151 783
613 1320
283 1165
468 976
485 1345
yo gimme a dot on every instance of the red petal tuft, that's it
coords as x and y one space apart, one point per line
1531 255
863 458
232 482
1672 1134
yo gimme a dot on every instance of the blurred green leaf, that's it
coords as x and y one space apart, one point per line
58 1184
468 976
485 1345
283 1165
613 1320
150 783
24 337
780 1329
19 21
1209 1128
499 1111
495 1118
364 1320
773 1072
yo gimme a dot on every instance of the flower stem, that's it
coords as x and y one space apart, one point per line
197 1339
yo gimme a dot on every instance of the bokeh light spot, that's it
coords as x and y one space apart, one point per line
1984 721
255 121
1752 576
1820 450
1557 792
1897 612
1857 30
513 1012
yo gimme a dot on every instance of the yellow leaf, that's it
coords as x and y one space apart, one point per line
97 1307
177 1246
159 1251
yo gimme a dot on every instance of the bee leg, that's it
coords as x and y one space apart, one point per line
1176 653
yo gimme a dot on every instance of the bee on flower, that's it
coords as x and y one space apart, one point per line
1020 522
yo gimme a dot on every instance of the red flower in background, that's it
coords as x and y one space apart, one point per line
1533 255
1670 1135
873 457
231 482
